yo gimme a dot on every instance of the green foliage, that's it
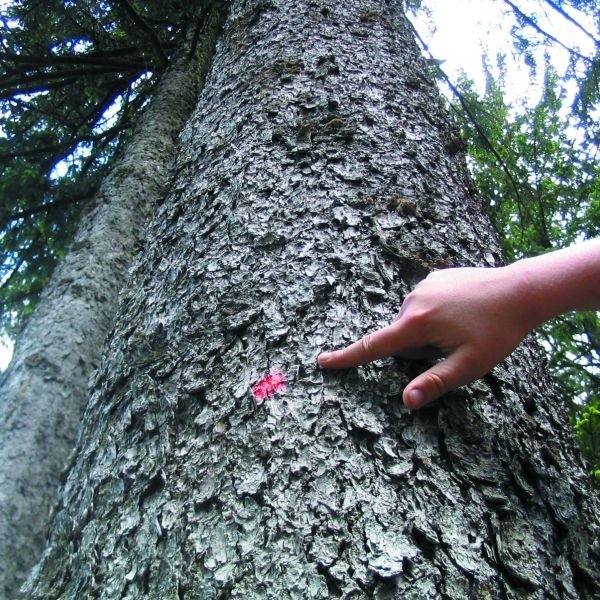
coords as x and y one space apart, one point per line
74 77
587 429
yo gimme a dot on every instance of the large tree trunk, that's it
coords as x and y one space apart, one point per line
317 181
43 393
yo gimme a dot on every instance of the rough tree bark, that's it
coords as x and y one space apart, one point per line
318 179
43 393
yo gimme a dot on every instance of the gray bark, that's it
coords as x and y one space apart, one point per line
318 179
43 392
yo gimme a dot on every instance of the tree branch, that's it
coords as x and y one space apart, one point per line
535 26
70 74
34 210
140 22
83 59
84 191
40 83
569 18
199 22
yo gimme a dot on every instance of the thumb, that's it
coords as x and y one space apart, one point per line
456 370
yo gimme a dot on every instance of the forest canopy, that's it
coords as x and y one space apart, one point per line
74 78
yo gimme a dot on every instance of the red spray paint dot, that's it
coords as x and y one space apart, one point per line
269 384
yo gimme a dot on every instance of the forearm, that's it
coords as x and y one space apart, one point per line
558 282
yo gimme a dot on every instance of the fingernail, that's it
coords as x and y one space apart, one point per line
414 399
324 359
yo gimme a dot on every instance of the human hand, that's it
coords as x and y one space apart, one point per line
474 317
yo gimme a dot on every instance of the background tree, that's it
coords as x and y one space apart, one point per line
44 390
317 180
73 79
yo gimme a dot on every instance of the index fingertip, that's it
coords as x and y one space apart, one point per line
324 359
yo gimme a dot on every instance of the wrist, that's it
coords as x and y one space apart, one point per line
529 292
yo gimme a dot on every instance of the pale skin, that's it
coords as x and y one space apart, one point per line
475 317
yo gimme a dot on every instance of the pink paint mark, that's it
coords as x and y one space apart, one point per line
269 384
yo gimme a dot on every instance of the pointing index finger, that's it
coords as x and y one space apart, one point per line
379 344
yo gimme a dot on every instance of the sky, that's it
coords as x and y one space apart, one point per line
461 31
458 32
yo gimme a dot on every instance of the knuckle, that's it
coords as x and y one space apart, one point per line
437 382
366 344
417 318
